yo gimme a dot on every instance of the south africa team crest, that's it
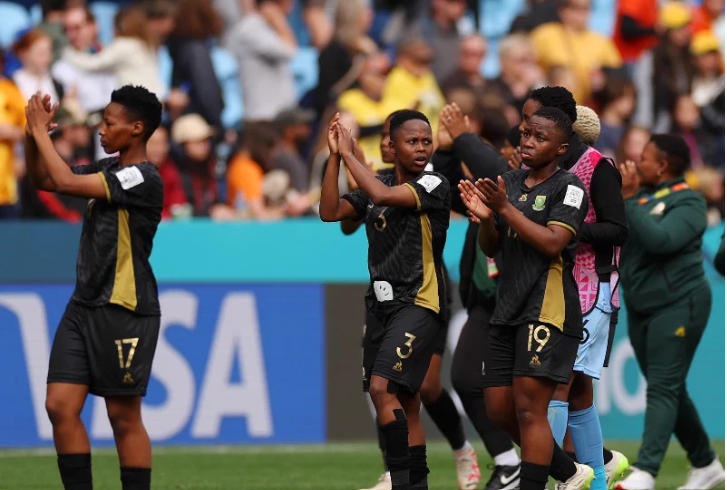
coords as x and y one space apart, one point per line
539 203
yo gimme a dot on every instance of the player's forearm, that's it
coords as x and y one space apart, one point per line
330 200
488 238
349 226
539 237
379 193
36 172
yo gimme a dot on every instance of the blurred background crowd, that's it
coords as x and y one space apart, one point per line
248 85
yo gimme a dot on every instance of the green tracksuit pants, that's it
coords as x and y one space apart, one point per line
665 343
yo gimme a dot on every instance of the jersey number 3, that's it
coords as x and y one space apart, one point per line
408 344
119 345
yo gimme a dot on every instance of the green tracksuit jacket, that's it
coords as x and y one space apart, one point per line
668 302
662 260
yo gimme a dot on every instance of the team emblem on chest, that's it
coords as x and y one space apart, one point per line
539 203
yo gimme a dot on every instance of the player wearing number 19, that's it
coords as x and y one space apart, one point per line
406 216
532 218
106 339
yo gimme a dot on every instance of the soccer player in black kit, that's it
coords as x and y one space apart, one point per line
407 216
106 339
532 216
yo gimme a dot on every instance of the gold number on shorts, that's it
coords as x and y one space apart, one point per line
535 334
119 344
408 343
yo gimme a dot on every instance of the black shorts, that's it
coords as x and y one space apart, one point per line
529 350
398 345
108 348
373 330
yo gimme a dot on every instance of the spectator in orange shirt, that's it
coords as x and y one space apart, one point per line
246 173
636 28
704 16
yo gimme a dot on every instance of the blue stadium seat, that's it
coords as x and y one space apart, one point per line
15 18
496 16
491 67
305 69
165 67
105 13
603 16
36 14
227 72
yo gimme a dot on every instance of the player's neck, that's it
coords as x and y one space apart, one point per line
541 174
402 176
132 155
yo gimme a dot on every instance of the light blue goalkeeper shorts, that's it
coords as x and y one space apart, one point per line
592 351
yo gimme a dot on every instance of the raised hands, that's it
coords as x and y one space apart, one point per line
454 121
516 160
344 139
39 114
473 199
332 134
494 194
630 179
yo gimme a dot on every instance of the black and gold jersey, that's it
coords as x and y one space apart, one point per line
116 241
532 287
406 245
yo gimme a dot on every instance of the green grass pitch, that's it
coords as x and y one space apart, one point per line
314 467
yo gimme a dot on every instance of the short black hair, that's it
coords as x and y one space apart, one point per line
400 117
558 97
561 120
393 115
141 104
676 152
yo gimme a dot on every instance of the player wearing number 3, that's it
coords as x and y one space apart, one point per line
106 339
532 218
407 216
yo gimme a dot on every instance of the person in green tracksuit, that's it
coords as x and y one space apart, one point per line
668 300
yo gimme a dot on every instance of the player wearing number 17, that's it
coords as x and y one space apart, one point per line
532 218
106 339
407 216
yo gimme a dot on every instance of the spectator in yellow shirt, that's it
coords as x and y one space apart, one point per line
12 122
570 44
411 83
366 103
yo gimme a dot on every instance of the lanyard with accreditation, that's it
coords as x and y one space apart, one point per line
663 193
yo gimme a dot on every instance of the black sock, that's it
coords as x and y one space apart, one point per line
418 468
607 456
533 476
445 415
382 445
572 456
135 478
562 468
75 471
397 455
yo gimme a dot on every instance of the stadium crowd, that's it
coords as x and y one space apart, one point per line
659 69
